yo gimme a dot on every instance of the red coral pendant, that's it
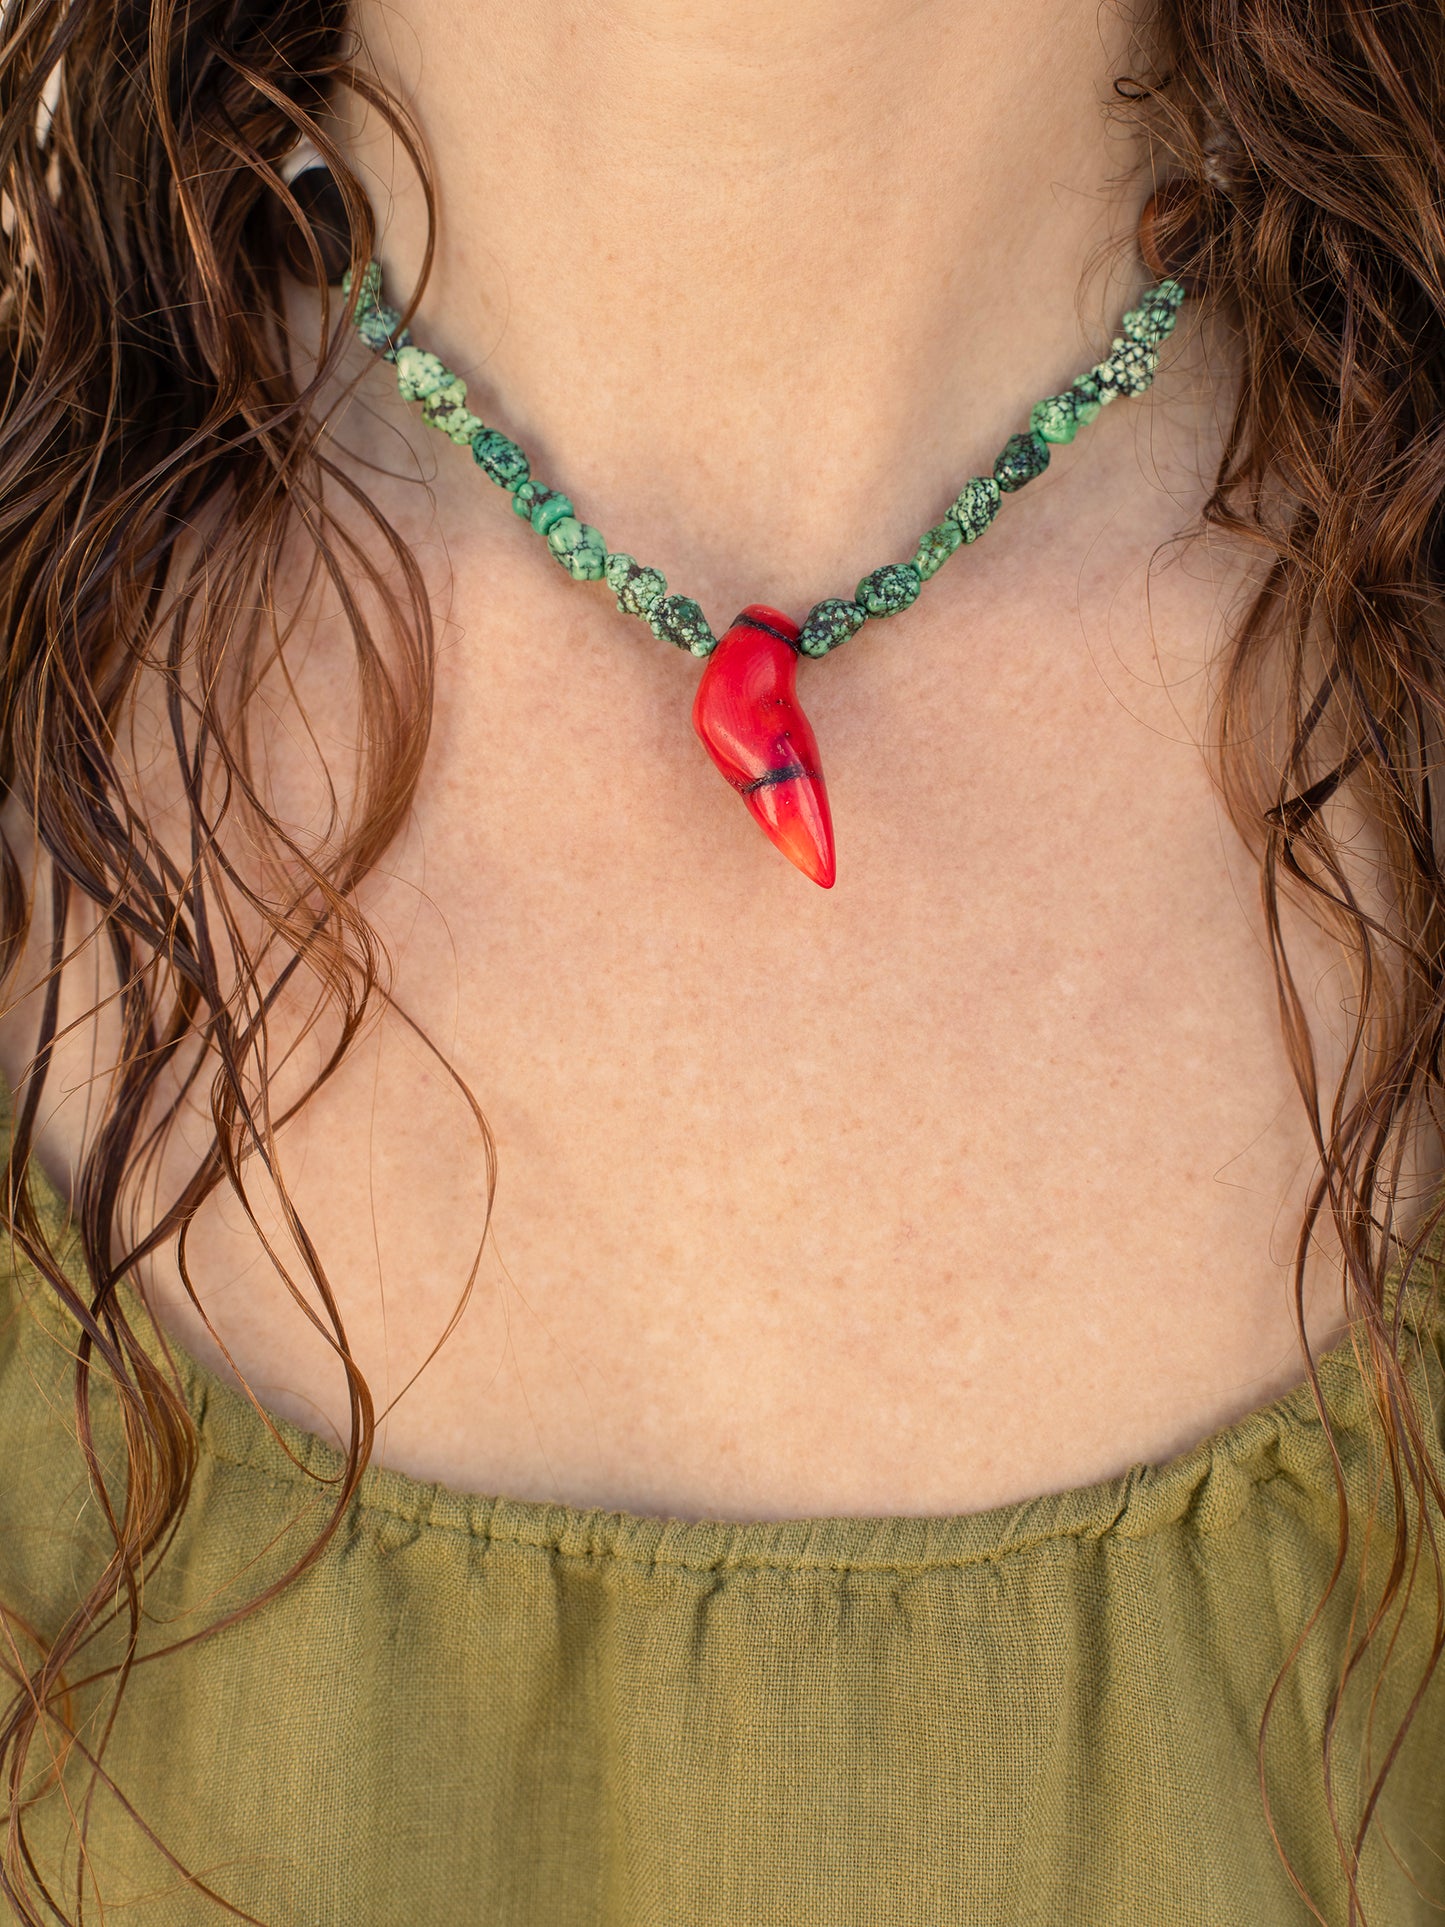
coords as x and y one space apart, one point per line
747 714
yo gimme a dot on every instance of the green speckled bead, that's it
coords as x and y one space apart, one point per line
376 323
499 459
368 289
1088 399
678 619
1145 323
638 589
1054 420
889 590
419 374
451 394
550 508
936 546
1127 370
461 427
1155 315
445 408
578 547
1021 458
378 329
829 623
530 495
977 505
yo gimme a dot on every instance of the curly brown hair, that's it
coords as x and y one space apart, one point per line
158 446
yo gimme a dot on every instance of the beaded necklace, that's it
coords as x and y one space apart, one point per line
746 710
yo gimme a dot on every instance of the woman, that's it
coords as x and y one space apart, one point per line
959 1345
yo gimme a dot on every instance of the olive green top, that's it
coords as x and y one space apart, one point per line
475 1710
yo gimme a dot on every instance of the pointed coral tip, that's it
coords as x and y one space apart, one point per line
794 816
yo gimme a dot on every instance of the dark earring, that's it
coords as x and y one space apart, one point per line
319 198
1176 233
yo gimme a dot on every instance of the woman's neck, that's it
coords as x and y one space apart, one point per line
759 277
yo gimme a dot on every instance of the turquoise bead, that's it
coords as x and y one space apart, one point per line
378 329
1127 370
936 546
419 374
461 427
549 509
498 458
889 590
1104 381
445 409
1144 323
977 505
1020 460
376 323
578 547
638 590
1156 314
1088 399
829 623
678 619
368 289
1054 420
450 395
531 495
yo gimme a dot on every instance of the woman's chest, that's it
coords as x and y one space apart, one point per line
976 1176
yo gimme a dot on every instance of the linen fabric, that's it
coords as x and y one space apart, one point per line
472 1709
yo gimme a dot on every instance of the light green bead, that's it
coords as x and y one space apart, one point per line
978 503
889 590
936 546
419 374
376 323
446 405
461 427
1054 419
1134 364
451 394
578 547
678 619
1127 370
1142 324
499 459
829 623
638 589
378 328
550 509
368 289
1088 399
529 496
